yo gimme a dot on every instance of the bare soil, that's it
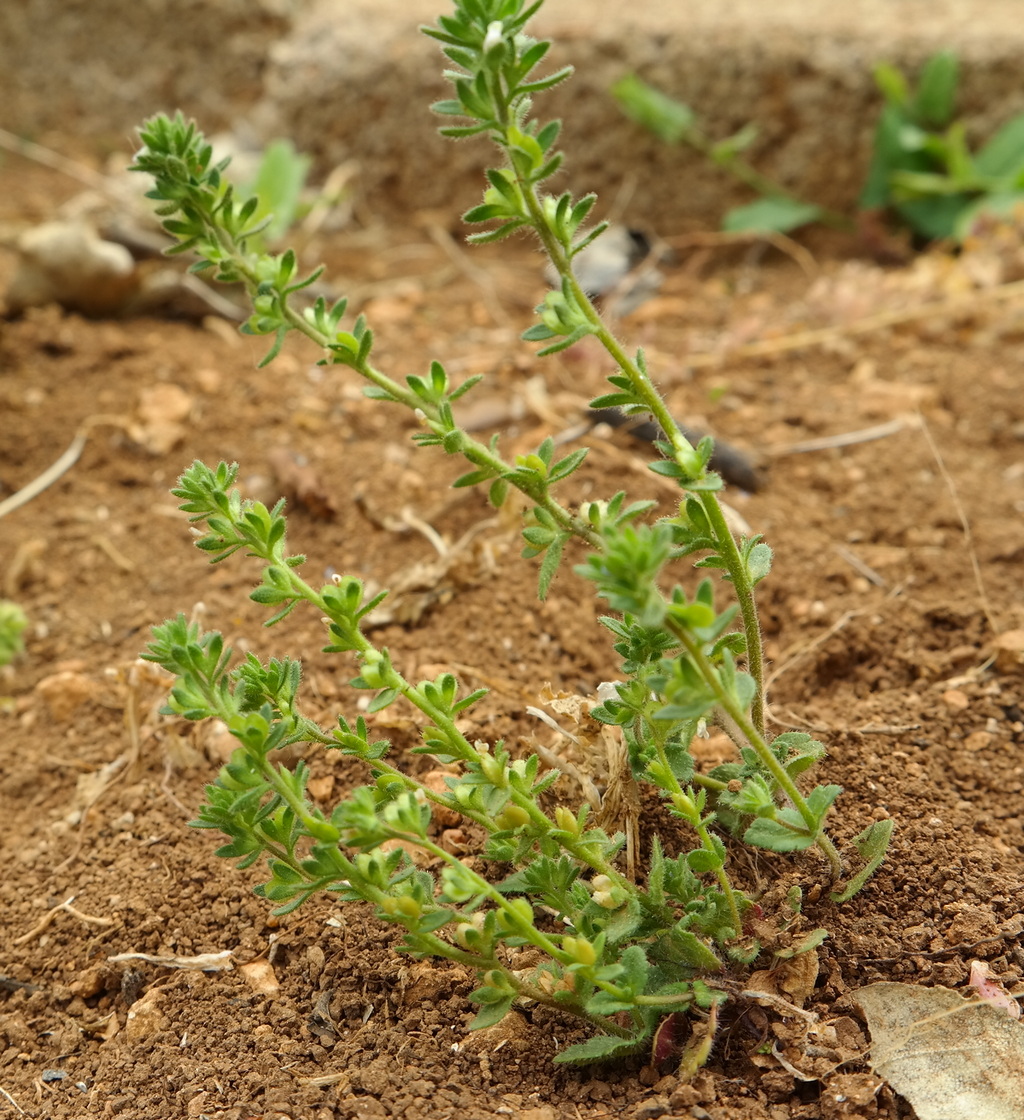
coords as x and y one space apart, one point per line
880 617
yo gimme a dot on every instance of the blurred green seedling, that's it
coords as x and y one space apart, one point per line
776 211
12 626
279 184
922 168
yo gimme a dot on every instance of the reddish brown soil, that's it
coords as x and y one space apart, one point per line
878 631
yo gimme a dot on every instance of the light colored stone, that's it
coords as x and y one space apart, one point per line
146 1017
955 699
67 263
1009 651
64 693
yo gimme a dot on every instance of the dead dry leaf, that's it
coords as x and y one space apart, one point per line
988 987
952 1058
793 979
205 962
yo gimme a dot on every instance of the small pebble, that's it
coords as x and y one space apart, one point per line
978 740
955 699
651 1109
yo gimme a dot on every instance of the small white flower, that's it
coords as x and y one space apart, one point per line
608 690
495 33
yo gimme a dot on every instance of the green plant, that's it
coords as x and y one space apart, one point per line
627 954
777 210
12 625
922 167
278 183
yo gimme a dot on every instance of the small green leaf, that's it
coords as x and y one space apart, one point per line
811 941
492 1012
383 699
549 565
892 84
498 492
775 837
1003 154
933 103
601 1048
686 947
759 562
701 860
820 799
670 120
725 151
872 844
771 215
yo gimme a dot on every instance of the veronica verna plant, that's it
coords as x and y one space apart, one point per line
623 954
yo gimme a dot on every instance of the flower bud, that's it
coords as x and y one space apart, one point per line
555 314
405 906
580 949
493 770
495 34
607 894
684 803
372 668
520 909
468 934
512 816
495 978
566 821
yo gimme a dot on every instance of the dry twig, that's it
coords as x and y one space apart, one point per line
965 523
48 918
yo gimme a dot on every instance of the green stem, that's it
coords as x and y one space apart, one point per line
655 403
479 454
744 589
488 890
686 808
525 929
757 741
441 948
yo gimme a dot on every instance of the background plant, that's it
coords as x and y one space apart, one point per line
278 182
618 953
12 626
922 169
778 210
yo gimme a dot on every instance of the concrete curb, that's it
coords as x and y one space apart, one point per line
352 79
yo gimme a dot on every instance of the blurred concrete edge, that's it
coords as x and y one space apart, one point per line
353 79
